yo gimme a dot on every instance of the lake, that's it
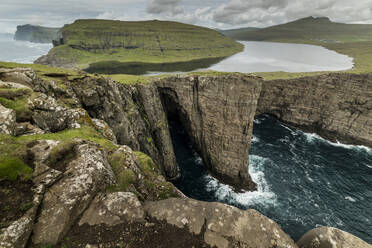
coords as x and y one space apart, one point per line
256 57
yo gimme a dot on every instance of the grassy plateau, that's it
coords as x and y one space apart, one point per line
90 41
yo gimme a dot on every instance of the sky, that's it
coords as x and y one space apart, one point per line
223 14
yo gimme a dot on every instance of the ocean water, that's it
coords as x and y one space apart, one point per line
21 51
303 180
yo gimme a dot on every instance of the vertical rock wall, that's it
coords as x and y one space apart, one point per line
336 106
217 113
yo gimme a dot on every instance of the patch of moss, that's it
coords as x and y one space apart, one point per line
20 105
146 163
13 168
85 133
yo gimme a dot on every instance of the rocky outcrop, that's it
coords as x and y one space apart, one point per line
113 209
328 237
337 106
222 226
70 196
36 34
7 120
135 114
217 113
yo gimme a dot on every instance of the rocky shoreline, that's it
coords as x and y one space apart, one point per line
91 188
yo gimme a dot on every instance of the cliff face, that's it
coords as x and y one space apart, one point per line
36 34
217 113
336 106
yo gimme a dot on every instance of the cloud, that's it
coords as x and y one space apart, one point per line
211 13
167 7
270 12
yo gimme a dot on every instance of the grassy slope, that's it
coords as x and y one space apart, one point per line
89 41
354 40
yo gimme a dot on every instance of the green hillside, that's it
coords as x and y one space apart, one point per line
89 41
310 29
233 32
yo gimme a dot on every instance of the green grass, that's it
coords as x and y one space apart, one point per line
310 29
91 41
12 168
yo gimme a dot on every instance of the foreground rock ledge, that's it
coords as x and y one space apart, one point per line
329 237
221 225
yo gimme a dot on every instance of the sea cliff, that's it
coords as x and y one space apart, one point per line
36 34
85 159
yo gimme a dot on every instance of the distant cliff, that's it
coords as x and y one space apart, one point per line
85 42
36 34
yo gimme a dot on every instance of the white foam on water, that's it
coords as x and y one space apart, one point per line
311 137
369 166
255 139
263 195
349 198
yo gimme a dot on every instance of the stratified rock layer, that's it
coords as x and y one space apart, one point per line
217 113
336 106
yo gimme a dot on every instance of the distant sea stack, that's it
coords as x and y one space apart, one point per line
36 34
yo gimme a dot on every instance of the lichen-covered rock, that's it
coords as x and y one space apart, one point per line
11 85
135 115
26 128
113 209
17 233
329 237
7 120
136 172
23 76
225 226
87 174
52 117
102 127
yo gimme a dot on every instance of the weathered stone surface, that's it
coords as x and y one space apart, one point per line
140 176
7 120
106 131
113 209
336 106
52 117
17 234
328 237
26 128
134 114
65 200
217 113
222 225
23 76
13 85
